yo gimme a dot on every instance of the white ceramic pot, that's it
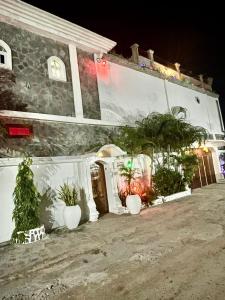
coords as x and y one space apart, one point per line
72 215
133 203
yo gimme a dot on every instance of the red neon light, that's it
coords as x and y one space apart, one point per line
19 131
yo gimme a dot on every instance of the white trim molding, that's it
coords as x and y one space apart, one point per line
55 118
78 105
7 56
30 18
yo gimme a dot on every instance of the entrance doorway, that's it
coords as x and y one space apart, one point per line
99 188
205 173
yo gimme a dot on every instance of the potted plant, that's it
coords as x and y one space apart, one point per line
72 211
26 210
130 140
133 201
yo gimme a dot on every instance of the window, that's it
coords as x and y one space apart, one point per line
5 56
56 69
2 58
219 136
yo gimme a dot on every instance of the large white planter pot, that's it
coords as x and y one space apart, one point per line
72 215
133 203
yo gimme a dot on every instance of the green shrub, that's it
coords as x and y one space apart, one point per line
167 182
189 163
26 201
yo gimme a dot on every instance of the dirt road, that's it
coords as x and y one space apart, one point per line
172 251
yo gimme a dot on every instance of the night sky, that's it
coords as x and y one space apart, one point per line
186 33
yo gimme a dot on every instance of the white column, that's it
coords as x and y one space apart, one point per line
150 53
76 81
177 66
113 197
93 216
135 53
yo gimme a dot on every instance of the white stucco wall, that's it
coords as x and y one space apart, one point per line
203 114
213 115
126 94
48 172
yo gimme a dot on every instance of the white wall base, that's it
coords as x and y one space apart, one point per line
177 195
172 197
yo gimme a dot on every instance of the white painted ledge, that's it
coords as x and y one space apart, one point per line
56 118
177 195
172 197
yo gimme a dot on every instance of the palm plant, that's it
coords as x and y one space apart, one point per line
68 194
160 136
130 140
128 172
169 135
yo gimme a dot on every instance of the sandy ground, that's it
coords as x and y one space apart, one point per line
172 251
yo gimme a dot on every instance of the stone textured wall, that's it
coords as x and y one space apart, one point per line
89 86
55 138
33 87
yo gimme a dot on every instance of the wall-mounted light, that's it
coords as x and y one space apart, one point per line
100 59
206 149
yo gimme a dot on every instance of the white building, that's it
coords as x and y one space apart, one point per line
70 92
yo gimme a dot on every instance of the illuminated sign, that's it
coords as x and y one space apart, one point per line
15 130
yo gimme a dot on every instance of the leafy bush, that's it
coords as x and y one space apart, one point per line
168 182
26 201
189 163
68 194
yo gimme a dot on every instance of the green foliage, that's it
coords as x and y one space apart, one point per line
160 136
189 163
168 133
168 182
26 201
68 194
129 140
128 172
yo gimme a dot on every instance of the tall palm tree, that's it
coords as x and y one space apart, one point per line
169 134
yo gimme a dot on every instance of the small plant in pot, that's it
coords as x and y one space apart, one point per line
72 212
133 201
26 206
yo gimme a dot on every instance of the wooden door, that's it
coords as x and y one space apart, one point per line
205 173
99 188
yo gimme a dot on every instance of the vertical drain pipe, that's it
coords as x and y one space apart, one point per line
167 98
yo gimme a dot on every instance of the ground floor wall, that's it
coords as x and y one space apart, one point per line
52 172
49 174
60 154
54 138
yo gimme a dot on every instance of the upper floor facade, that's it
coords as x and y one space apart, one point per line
53 70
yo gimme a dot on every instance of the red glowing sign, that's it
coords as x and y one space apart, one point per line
19 130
